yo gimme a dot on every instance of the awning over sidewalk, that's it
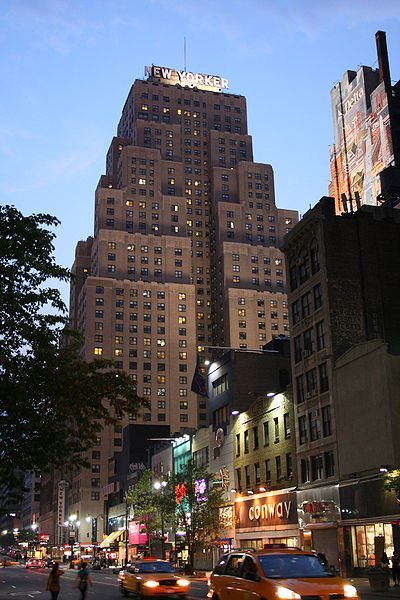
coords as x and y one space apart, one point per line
114 535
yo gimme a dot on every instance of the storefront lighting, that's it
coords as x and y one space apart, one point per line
384 468
235 413
271 394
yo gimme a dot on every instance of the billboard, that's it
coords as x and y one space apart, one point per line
363 142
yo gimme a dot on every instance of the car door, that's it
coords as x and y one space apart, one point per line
231 584
250 575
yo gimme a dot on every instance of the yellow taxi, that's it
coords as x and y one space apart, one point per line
284 574
152 577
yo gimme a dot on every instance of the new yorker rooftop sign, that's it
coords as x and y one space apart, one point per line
213 83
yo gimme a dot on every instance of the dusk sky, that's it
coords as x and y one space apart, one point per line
67 67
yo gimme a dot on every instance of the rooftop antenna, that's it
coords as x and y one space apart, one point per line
184 54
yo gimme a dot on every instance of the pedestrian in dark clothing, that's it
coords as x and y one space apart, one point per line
395 569
83 579
53 581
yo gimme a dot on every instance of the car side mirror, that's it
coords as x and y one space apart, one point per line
251 576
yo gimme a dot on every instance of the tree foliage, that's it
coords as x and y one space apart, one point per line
197 508
391 482
52 402
148 504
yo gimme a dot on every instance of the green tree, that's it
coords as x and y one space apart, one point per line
150 505
198 500
52 402
391 482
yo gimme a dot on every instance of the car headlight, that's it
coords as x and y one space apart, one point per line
151 583
182 582
349 591
286 594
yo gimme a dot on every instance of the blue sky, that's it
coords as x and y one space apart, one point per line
67 67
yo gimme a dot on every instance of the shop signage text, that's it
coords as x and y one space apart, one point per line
266 510
183 77
270 510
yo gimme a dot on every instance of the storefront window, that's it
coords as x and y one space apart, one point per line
364 538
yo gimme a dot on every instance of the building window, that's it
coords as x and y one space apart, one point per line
305 470
311 382
314 254
276 429
286 425
266 433
302 429
323 378
317 292
257 473
239 479
296 312
329 464
289 466
246 441
314 425
317 467
247 476
300 389
268 470
255 438
298 349
320 335
308 342
238 444
306 305
278 467
326 421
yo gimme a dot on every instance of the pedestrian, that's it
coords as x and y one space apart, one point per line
83 579
53 581
395 569
384 560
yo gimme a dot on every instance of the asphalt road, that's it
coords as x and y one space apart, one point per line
20 583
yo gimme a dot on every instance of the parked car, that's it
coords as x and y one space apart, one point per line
289 574
152 577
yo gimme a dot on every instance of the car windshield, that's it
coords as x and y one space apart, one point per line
292 566
156 567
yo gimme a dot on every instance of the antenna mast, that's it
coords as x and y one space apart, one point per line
184 53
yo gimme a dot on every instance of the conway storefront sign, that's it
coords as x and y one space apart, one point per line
265 510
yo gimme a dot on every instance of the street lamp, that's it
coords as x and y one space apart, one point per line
159 486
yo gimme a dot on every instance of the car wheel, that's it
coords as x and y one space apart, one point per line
123 591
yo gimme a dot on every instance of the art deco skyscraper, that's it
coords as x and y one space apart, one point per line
185 253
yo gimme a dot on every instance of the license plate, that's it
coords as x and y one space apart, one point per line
170 591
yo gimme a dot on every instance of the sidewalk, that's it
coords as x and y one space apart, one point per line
363 588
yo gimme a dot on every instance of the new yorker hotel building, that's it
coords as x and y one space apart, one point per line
185 253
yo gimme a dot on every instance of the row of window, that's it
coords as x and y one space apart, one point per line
283 470
272 240
188 102
303 307
133 293
317 467
306 264
307 383
311 340
266 434
314 425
